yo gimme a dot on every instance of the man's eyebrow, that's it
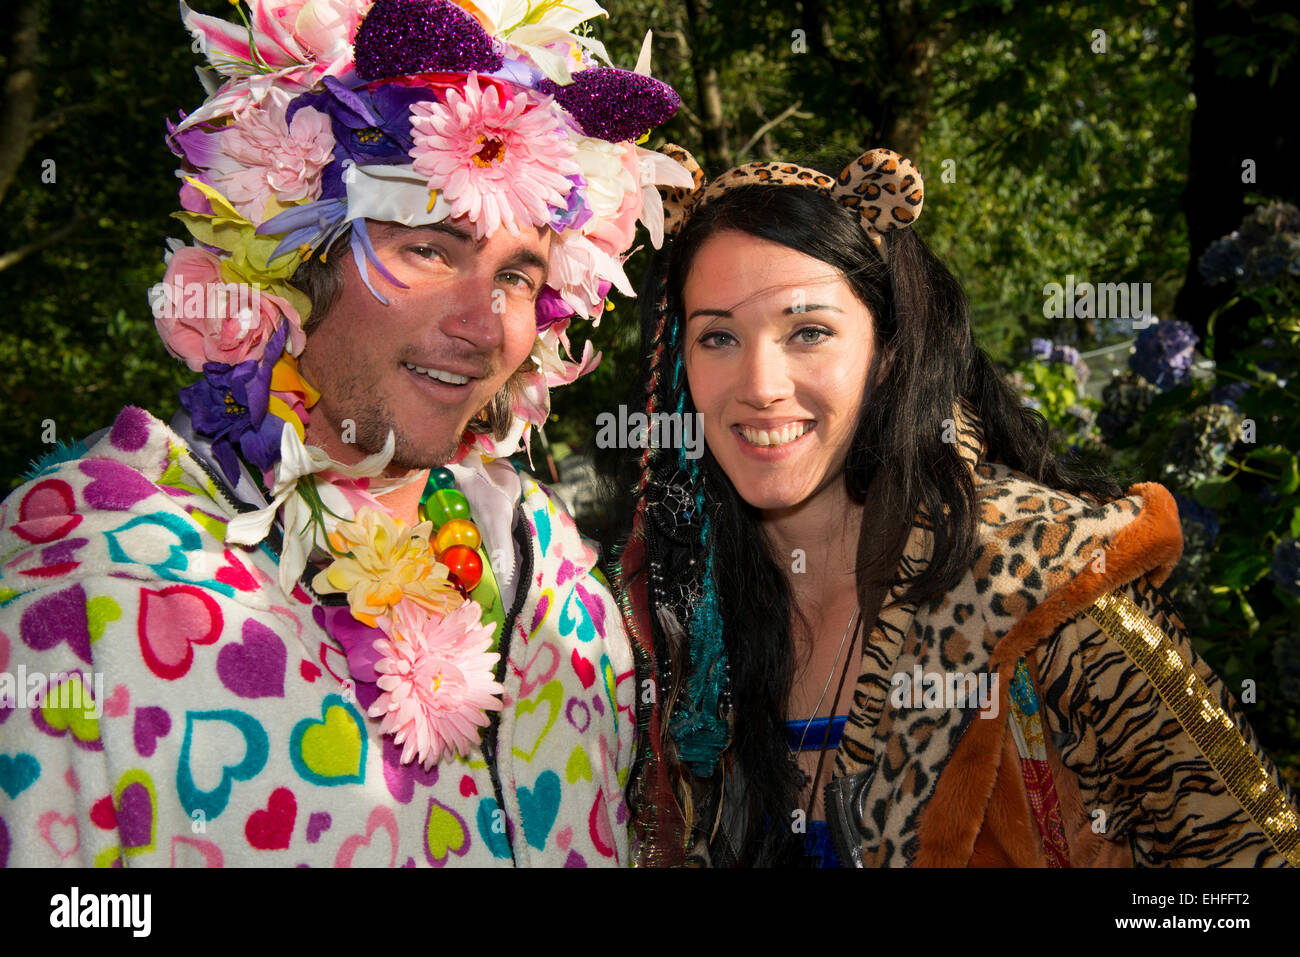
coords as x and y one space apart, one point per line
527 257
455 232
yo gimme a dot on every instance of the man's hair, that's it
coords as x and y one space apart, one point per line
320 278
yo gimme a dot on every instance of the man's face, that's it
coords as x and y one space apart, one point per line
437 353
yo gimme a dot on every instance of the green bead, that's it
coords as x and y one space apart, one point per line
441 478
453 503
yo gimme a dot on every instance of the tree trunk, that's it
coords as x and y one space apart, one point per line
19 106
1236 118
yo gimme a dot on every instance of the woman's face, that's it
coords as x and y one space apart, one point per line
777 354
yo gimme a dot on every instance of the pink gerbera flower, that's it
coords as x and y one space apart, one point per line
499 161
436 681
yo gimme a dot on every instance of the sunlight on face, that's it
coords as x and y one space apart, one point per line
777 354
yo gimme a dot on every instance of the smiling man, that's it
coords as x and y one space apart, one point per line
329 623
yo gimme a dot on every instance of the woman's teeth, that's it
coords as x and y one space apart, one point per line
449 377
767 437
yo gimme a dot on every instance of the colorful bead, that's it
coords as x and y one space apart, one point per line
459 531
440 478
444 505
465 564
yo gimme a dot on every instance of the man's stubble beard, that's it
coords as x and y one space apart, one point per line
373 421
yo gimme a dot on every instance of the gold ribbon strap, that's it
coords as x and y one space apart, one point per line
1201 716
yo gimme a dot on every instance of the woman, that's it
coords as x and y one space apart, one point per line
880 624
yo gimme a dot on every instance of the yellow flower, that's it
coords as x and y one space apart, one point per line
250 254
383 562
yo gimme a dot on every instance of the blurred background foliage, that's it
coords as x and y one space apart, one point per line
1104 140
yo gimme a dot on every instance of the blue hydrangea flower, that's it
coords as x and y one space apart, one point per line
1286 566
1164 352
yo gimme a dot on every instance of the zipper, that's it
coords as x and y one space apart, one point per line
522 587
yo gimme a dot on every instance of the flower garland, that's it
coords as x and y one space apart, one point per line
321 115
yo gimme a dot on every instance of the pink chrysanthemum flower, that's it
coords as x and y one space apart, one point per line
501 162
271 163
436 681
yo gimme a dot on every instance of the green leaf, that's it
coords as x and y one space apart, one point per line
1216 493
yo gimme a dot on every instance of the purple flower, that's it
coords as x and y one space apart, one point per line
1067 354
1191 512
1222 262
1229 394
371 128
576 214
229 405
1041 349
1285 570
1163 353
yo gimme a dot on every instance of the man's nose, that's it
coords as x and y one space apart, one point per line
476 312
765 376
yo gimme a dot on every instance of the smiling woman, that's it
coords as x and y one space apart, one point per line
885 627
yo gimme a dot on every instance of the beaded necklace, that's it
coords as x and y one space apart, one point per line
458 544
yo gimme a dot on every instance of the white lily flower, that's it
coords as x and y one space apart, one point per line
658 170
301 534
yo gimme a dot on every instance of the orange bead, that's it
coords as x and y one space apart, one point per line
458 531
465 564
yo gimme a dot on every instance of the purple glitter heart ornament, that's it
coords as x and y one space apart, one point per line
399 37
613 104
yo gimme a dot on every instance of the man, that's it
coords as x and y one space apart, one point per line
279 632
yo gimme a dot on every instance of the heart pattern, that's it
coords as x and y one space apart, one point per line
151 723
219 707
18 772
331 751
384 853
171 622
254 667
271 829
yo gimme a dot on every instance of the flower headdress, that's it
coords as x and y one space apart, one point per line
333 112
322 114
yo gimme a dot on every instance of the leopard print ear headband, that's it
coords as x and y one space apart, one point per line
886 189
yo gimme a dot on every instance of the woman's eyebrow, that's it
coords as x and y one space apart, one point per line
788 311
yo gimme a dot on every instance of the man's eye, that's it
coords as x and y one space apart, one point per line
517 279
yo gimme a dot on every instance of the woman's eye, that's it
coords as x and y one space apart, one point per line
427 252
812 335
714 340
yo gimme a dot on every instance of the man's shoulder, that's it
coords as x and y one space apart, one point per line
133 500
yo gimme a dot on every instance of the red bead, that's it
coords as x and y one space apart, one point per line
465 564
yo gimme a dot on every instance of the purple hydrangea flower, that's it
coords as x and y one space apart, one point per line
1067 354
1222 262
1286 566
1229 394
1041 349
1164 352
1192 512
229 406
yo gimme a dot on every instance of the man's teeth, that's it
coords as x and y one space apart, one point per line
787 433
449 377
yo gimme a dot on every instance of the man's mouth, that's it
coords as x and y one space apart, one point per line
438 375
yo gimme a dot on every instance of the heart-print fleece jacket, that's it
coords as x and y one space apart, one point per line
166 703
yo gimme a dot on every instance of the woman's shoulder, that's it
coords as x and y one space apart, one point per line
1038 538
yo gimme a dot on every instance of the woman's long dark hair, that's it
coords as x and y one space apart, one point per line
923 323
